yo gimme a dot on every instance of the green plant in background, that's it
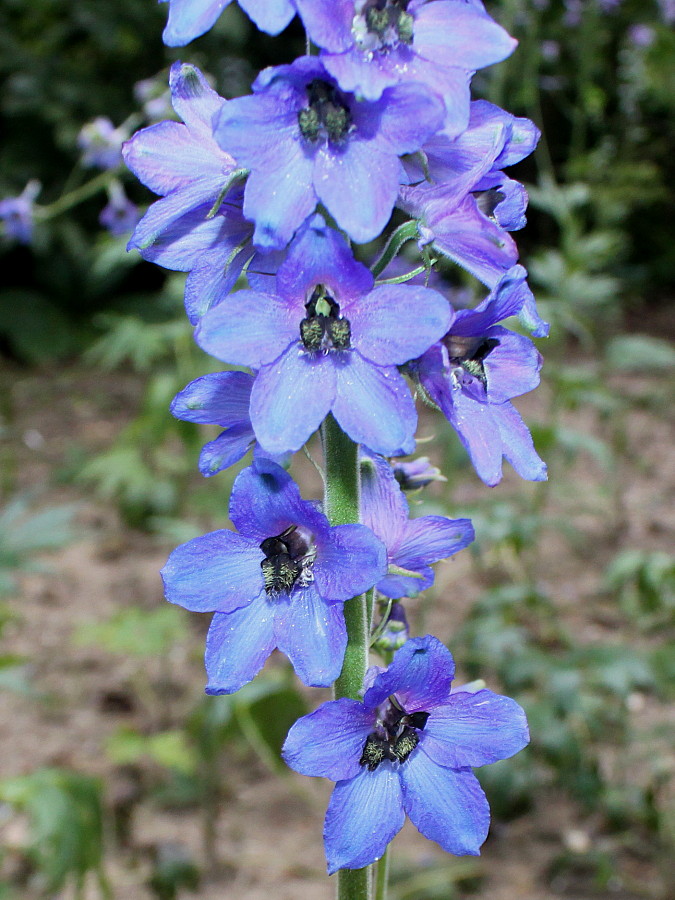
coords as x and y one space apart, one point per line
66 835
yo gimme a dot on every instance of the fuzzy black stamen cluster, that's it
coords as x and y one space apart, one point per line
395 739
285 559
470 353
323 328
327 115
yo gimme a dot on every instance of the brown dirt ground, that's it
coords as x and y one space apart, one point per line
269 834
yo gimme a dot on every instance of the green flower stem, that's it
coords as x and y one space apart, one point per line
407 232
342 508
382 876
73 198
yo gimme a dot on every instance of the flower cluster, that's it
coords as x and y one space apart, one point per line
262 201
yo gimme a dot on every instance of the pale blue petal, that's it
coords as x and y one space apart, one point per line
237 646
329 742
364 814
312 634
227 449
517 444
374 407
474 730
420 675
349 561
189 19
221 398
446 805
218 571
513 367
384 507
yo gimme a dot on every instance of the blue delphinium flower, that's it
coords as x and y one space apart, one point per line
473 373
412 544
465 203
414 474
120 214
17 213
281 581
189 19
408 748
305 141
370 45
193 228
221 398
327 341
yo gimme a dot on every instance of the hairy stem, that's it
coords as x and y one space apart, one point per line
342 508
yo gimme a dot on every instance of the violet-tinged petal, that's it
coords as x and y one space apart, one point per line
312 634
227 449
510 212
166 157
446 805
291 398
364 814
420 675
409 115
398 322
460 35
349 562
329 741
164 212
474 730
384 508
374 407
320 255
265 501
517 444
399 586
221 398
213 278
358 186
357 73
431 538
271 16
328 22
475 242
279 200
477 427
219 571
189 19
237 646
452 84
505 299
512 368
251 329
195 101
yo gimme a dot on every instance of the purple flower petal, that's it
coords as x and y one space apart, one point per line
474 730
517 444
513 367
237 646
218 571
291 398
271 16
363 816
374 407
459 34
431 538
399 322
349 562
265 501
221 398
329 742
446 805
328 22
227 449
250 329
420 675
312 634
189 19
163 213
384 508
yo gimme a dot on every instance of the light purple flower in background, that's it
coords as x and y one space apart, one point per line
395 632
370 45
641 35
667 11
101 143
120 216
326 340
17 213
279 581
417 473
465 203
189 19
193 228
408 748
306 142
473 373
221 398
412 544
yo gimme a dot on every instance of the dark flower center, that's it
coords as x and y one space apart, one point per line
395 736
488 201
323 328
469 353
383 25
289 558
327 116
